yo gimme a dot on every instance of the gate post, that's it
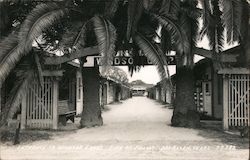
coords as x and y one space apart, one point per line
23 111
108 90
55 104
225 102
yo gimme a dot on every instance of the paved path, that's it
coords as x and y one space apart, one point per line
138 128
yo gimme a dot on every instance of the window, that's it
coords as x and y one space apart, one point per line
207 87
64 89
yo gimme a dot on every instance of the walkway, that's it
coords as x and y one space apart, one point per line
138 128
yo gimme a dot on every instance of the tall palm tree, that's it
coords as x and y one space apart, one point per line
185 112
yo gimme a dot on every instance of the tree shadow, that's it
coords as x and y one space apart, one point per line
217 134
28 136
7 136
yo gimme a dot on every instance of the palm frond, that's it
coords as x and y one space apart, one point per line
216 38
212 25
232 14
18 91
164 58
25 1
4 19
16 94
133 69
166 41
10 54
75 36
165 7
148 26
245 22
152 53
40 18
206 17
148 4
176 32
110 8
39 69
135 10
137 59
219 30
106 37
170 8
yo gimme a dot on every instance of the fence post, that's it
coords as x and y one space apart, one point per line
225 102
23 112
55 103
108 90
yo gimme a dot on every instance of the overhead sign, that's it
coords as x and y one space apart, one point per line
129 60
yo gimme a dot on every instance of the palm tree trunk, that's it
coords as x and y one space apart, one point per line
91 115
244 57
5 24
247 46
185 113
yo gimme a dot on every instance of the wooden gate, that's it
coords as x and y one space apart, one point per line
39 104
239 100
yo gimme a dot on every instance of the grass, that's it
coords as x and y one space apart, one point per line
7 136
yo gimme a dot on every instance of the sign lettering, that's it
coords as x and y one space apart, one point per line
128 60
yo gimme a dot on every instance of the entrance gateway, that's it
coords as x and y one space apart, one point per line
43 105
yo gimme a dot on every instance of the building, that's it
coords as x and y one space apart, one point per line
113 91
37 101
139 88
208 89
162 91
222 90
114 85
60 96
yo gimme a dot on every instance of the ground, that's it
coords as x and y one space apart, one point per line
138 128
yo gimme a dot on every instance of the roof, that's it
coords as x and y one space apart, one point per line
140 84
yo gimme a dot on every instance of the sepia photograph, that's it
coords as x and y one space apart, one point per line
124 79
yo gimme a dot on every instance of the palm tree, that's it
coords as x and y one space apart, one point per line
233 17
185 113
